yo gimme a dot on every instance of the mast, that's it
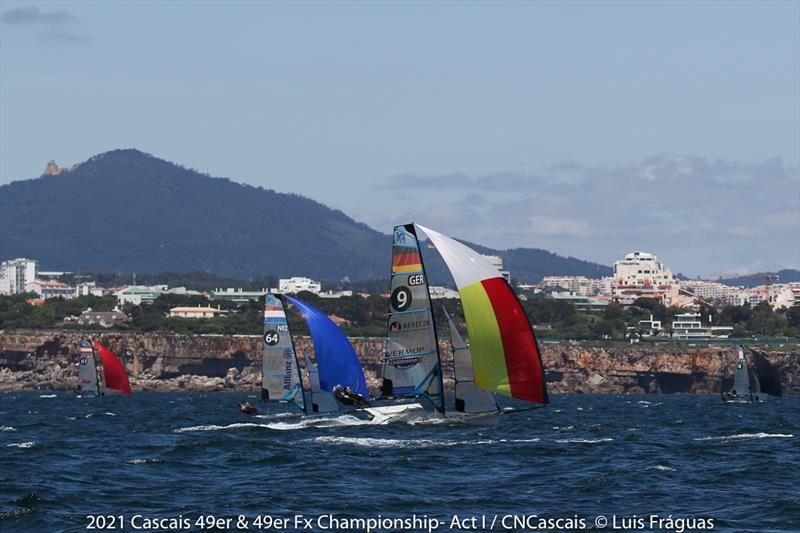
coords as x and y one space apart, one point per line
411 366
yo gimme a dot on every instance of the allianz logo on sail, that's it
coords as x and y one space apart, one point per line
412 325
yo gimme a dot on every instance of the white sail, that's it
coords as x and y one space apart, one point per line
87 370
469 398
321 401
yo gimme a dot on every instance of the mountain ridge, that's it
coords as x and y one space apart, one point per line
129 211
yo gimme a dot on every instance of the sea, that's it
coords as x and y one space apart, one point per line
193 462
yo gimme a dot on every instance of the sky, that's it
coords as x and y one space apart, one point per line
590 129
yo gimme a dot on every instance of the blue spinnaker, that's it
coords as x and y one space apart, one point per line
337 362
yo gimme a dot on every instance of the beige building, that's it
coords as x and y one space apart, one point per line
194 312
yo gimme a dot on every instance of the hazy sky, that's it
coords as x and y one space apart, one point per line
589 129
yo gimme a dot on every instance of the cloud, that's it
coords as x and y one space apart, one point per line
63 37
32 15
699 214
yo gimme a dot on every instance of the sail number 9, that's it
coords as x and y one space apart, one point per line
401 298
271 337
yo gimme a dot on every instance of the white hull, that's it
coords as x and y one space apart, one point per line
475 419
386 414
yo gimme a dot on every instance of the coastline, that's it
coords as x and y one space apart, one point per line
166 362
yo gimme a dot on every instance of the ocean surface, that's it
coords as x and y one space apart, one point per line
188 456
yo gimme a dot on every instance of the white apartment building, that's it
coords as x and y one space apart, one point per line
50 289
194 312
16 273
87 288
139 294
497 262
574 284
642 275
712 291
295 285
689 326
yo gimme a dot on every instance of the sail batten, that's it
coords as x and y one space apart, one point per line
505 355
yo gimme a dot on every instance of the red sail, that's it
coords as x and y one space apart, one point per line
113 370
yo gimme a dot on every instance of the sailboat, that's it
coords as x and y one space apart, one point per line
505 358
115 378
753 385
471 402
337 363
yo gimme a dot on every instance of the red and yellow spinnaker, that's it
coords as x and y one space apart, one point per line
505 354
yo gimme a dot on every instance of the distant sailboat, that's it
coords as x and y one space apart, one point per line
752 385
115 378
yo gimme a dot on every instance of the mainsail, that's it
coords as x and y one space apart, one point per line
87 370
280 372
505 354
741 378
767 376
321 401
337 361
411 365
470 399
114 374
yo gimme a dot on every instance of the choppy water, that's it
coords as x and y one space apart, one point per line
193 454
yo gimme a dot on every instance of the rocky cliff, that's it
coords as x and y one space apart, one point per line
33 360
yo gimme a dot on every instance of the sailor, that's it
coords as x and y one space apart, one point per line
346 396
247 409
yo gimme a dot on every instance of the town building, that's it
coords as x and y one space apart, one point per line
581 301
642 275
650 327
104 319
50 289
497 262
442 293
712 291
574 284
88 288
139 294
336 294
295 285
16 273
689 326
236 295
194 312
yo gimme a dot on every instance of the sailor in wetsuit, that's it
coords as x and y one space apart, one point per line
247 409
346 396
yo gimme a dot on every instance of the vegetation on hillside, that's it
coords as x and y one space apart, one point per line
367 316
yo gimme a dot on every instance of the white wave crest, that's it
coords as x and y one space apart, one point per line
7 428
371 442
319 422
584 441
214 427
48 396
142 461
662 468
748 436
29 444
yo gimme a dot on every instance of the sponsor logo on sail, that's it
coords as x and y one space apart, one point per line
405 362
410 325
